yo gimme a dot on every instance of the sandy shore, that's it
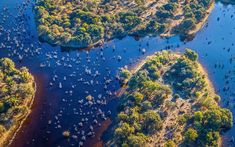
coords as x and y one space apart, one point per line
203 22
198 27
203 71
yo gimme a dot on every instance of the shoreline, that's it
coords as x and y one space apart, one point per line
198 27
202 23
203 71
96 44
132 70
9 136
102 41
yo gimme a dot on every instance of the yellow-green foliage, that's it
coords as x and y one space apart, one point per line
82 23
179 77
16 86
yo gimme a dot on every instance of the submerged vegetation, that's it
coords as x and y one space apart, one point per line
16 96
84 23
169 102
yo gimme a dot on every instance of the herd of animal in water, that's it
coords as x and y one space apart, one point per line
89 111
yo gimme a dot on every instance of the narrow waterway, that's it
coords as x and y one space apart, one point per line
65 78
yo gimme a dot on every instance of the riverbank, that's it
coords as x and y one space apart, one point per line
200 25
187 36
17 93
9 135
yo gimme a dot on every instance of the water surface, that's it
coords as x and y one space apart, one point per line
92 72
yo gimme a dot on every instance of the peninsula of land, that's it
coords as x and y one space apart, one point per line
17 90
169 101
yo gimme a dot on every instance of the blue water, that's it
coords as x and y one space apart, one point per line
56 110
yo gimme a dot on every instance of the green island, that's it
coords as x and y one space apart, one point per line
169 101
17 90
80 24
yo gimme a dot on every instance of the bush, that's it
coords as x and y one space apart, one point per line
191 55
187 25
123 132
190 136
151 122
170 143
138 140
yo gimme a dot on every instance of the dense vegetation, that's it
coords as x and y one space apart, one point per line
83 23
169 102
16 93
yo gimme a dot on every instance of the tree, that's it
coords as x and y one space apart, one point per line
66 37
187 25
2 107
190 135
151 122
137 97
43 30
191 55
125 74
25 76
155 27
129 20
96 32
176 96
2 129
198 116
170 143
199 14
170 7
122 116
123 132
217 98
138 140
212 138
217 119
146 105
6 65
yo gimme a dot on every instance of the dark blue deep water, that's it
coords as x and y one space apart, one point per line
67 77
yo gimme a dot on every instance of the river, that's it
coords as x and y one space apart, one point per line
65 78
